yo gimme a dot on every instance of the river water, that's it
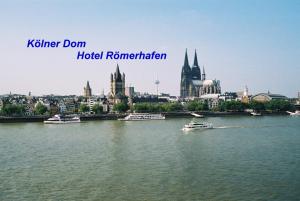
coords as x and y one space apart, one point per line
244 158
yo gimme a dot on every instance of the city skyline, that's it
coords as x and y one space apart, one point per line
240 43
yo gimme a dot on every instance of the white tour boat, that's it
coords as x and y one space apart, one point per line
197 125
143 116
57 119
296 113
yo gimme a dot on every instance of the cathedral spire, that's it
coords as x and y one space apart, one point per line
203 74
195 59
186 60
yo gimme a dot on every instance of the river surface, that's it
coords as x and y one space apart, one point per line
244 158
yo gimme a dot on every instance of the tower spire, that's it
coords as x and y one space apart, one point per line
203 74
186 60
118 75
195 59
117 69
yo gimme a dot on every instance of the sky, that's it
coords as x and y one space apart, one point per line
240 42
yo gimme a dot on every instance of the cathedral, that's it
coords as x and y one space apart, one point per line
195 84
117 86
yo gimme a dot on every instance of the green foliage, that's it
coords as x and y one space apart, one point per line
205 106
221 107
173 107
232 106
257 106
97 109
40 109
273 105
120 107
13 110
279 105
146 107
195 106
157 107
84 108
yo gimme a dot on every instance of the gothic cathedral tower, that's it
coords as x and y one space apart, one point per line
185 77
190 78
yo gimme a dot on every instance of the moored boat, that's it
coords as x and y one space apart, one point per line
197 115
58 119
296 113
143 116
255 113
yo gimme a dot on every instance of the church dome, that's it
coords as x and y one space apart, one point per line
208 83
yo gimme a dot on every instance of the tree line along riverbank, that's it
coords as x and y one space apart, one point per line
15 113
115 116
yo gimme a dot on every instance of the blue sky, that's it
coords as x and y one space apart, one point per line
254 43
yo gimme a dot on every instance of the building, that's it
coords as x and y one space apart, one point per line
210 87
245 96
117 87
266 97
62 107
193 84
70 105
87 91
229 96
190 78
129 91
212 100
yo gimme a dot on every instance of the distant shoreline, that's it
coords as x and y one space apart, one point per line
4 119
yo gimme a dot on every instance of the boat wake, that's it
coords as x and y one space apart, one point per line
229 126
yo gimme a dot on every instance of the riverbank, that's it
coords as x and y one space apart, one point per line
4 119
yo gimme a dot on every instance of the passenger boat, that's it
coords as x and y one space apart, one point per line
197 126
143 116
296 113
58 119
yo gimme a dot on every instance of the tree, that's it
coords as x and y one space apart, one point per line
120 107
84 108
157 107
40 109
279 105
97 109
141 107
172 107
232 106
195 106
258 106
13 110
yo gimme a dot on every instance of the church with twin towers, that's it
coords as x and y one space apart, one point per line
193 83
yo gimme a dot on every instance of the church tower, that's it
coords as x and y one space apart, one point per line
196 72
185 77
195 78
87 91
117 85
